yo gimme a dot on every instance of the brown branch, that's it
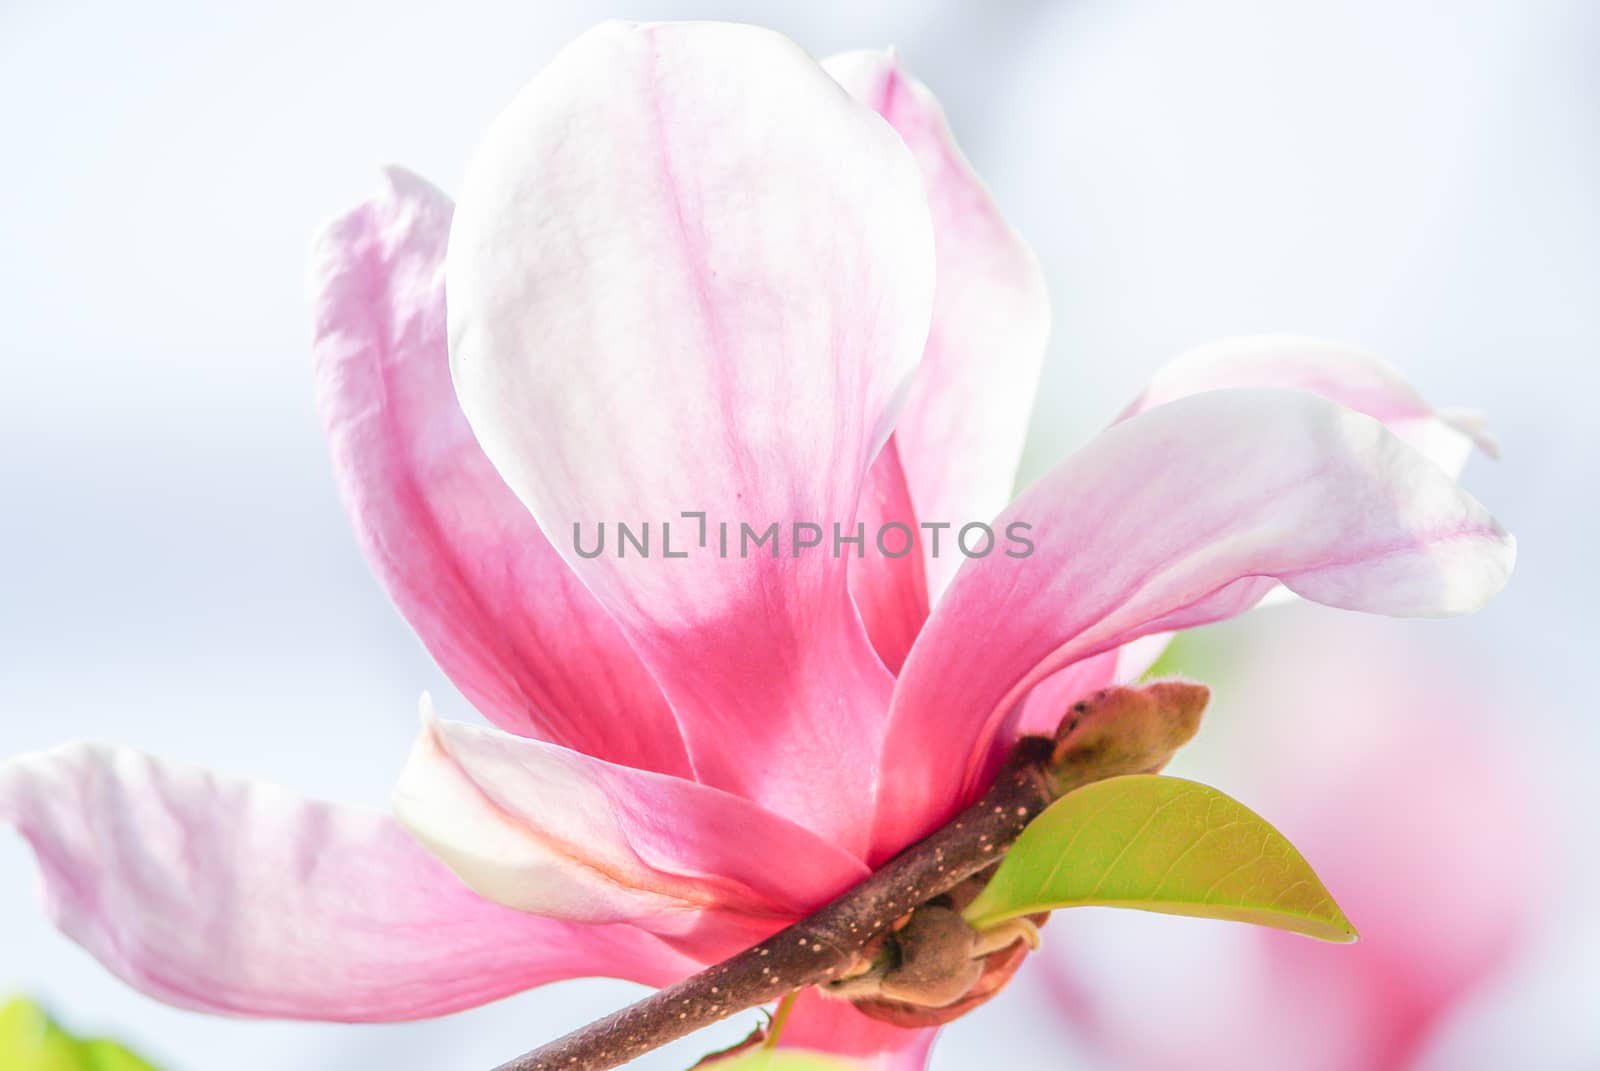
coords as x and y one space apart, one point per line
821 945
1120 731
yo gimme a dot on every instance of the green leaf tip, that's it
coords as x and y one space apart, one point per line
1160 844
30 1041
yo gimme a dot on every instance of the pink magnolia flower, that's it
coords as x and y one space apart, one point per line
693 270
1414 815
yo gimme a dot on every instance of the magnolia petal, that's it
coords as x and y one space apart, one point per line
1183 515
961 432
463 559
233 896
823 1024
1050 699
1343 374
888 581
689 273
545 830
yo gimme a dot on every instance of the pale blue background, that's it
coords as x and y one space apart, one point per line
175 572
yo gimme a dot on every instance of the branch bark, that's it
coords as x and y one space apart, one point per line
820 946
1118 731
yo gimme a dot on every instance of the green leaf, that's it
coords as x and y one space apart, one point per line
1160 844
29 1041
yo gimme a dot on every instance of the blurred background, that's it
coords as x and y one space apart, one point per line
1417 178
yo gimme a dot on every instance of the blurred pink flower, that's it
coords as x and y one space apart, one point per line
1417 817
690 272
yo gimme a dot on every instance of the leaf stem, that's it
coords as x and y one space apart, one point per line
779 1018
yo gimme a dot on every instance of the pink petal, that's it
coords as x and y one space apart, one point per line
888 583
1353 378
688 273
549 831
962 429
1047 703
1341 374
234 896
822 1024
1185 514
465 562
